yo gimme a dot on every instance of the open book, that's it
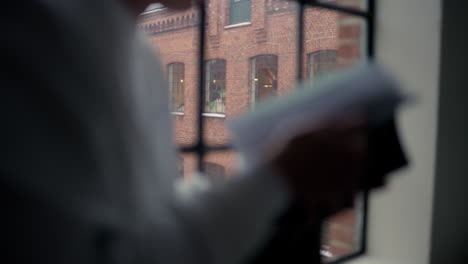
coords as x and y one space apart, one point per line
366 87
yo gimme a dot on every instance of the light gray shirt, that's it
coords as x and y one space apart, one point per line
88 163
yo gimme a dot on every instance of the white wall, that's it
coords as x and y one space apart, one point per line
408 42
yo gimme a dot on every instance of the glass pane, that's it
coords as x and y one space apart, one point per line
246 64
174 36
175 78
334 41
263 80
342 233
215 86
239 11
355 4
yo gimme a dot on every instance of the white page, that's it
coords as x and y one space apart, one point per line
366 87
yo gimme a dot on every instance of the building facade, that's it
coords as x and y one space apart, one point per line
251 55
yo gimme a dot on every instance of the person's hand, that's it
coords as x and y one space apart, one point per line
325 167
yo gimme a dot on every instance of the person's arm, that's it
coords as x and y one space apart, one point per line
76 153
323 168
229 222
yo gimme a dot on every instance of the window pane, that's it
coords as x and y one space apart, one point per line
247 64
239 11
334 41
215 87
342 234
176 79
263 77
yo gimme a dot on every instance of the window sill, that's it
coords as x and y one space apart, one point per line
178 113
214 115
243 24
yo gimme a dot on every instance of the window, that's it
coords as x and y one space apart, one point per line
264 61
214 172
215 86
321 62
175 73
263 77
239 11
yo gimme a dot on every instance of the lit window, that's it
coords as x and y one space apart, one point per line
263 77
215 86
321 62
239 11
175 73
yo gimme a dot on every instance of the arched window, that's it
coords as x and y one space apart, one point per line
321 62
263 77
215 86
175 72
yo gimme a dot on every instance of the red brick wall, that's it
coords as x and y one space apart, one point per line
273 30
268 33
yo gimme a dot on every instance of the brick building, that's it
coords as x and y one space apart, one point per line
250 55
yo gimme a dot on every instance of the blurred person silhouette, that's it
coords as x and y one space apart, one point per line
88 164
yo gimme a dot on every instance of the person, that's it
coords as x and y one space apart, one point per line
88 164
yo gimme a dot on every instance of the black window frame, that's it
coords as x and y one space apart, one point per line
201 148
